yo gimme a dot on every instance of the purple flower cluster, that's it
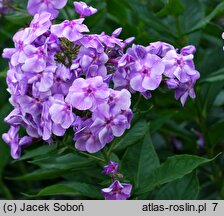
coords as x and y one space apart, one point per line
142 69
181 73
117 190
60 77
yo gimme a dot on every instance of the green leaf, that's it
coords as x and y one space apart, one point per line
139 162
215 77
4 155
18 17
149 18
3 73
64 162
118 10
42 150
4 149
219 100
41 174
136 133
208 94
194 12
174 7
173 168
186 188
218 10
75 188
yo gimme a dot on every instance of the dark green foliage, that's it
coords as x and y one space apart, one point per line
148 153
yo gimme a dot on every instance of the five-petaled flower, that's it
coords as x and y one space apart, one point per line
117 191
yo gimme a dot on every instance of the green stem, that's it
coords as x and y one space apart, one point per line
86 154
105 155
92 156
5 190
111 148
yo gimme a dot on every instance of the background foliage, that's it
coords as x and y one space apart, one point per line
161 155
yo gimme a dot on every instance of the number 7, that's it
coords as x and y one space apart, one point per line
215 205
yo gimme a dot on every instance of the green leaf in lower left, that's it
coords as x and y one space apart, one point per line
74 188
